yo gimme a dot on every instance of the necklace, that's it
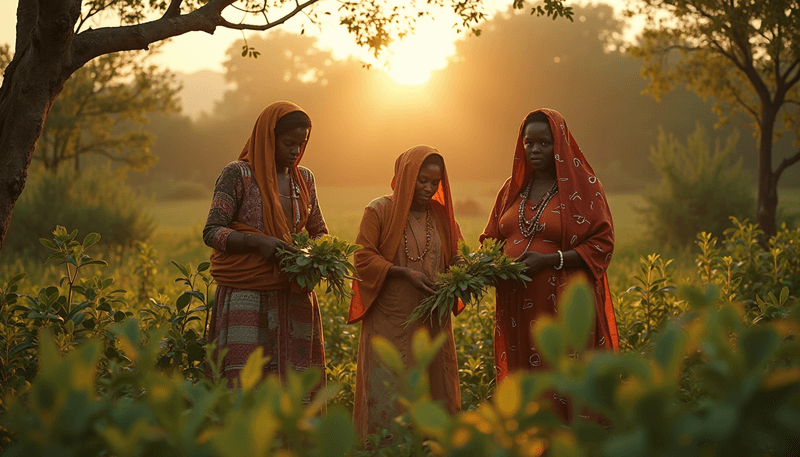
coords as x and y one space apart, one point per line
428 236
294 190
530 227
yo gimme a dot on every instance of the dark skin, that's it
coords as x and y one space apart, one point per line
287 149
540 154
428 179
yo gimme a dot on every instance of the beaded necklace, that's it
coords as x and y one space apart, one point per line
530 227
428 235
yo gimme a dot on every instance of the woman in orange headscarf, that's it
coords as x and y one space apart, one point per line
553 215
406 238
258 201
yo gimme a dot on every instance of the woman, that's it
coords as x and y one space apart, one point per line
406 238
552 215
258 201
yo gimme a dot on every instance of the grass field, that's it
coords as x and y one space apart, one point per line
343 207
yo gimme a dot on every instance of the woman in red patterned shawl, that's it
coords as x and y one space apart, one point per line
406 238
258 201
553 215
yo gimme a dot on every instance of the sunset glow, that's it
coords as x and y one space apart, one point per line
412 60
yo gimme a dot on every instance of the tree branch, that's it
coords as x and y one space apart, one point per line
174 9
786 163
300 7
96 42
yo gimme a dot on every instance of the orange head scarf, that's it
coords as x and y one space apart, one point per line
586 224
373 261
249 270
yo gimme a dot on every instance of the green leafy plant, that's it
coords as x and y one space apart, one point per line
325 258
470 280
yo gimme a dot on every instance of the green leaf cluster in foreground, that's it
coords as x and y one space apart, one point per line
469 280
321 258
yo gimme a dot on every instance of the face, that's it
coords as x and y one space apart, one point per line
428 179
289 146
538 141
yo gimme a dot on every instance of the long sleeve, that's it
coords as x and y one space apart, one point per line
492 229
225 204
315 225
371 266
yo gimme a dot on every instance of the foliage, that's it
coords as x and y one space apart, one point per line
698 192
716 377
101 111
746 272
469 280
654 304
745 55
183 346
63 415
94 200
321 258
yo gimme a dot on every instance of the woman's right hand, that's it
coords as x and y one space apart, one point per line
419 281
268 246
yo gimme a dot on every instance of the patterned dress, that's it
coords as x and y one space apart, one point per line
286 323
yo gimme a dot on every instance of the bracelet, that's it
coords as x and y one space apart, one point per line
560 260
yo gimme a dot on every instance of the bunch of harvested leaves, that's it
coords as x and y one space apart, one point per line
322 258
469 280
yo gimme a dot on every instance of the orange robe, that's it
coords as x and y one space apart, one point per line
382 303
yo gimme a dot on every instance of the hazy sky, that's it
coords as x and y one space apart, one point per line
409 61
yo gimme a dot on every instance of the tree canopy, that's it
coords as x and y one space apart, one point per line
745 54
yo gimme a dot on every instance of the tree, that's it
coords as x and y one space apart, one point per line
99 109
745 54
52 43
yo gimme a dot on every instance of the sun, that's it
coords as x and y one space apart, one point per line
412 60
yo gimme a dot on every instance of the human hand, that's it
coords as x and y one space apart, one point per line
419 281
458 261
268 246
535 262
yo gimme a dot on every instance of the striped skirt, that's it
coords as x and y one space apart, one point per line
287 325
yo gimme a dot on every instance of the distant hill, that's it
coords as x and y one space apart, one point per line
200 91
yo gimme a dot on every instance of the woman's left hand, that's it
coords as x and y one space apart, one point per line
535 261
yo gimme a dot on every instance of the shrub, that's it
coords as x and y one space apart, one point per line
699 190
92 200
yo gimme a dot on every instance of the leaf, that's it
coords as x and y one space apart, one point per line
388 354
578 314
48 244
508 397
549 340
253 369
182 268
430 418
670 348
423 348
183 300
90 239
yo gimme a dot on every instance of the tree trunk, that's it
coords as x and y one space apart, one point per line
31 82
767 180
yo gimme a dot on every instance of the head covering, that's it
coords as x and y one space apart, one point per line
586 224
249 270
372 262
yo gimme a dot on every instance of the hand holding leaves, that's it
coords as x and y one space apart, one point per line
311 261
469 279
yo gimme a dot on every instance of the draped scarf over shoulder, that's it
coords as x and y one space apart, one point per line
373 261
586 224
249 270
